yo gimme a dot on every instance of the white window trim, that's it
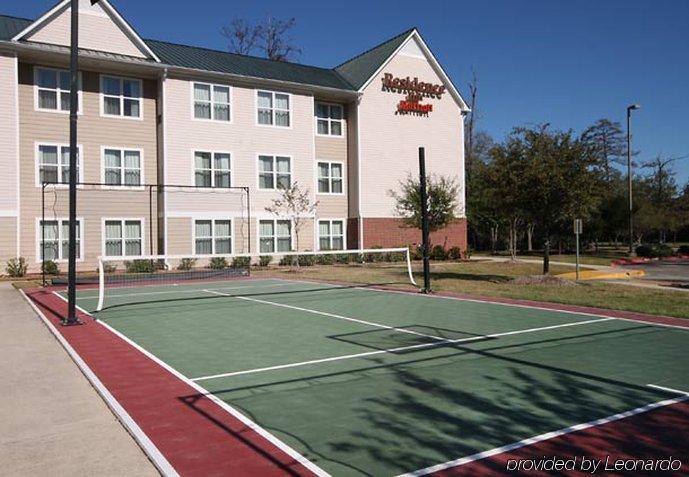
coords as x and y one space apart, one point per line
212 153
123 219
80 221
273 93
330 178
36 88
213 220
101 98
142 178
258 171
37 163
212 120
275 244
341 121
331 220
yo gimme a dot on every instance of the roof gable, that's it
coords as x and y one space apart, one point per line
10 26
101 28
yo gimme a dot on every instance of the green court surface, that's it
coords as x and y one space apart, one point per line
371 382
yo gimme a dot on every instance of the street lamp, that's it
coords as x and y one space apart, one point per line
629 174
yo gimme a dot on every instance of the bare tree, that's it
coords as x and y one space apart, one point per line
241 36
275 41
294 204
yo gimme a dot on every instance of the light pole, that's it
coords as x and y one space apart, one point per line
629 175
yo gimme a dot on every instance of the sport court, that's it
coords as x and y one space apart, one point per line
364 381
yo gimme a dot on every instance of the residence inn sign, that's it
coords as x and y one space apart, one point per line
416 91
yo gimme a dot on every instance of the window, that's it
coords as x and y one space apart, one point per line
212 237
330 178
55 237
274 172
328 119
121 97
275 236
52 89
122 167
123 238
212 169
331 234
273 109
211 102
53 164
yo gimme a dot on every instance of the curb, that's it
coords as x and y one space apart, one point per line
601 275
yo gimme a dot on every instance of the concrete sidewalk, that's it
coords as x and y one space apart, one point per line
52 422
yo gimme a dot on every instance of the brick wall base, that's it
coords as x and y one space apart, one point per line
391 232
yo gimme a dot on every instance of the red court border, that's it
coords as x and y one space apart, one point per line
199 438
193 433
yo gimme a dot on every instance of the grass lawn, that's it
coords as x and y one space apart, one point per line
495 279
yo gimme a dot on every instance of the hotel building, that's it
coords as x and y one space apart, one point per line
152 112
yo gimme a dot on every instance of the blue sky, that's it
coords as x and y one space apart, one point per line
566 63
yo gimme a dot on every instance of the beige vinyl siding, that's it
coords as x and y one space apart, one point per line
390 142
97 31
333 149
9 194
8 241
94 132
353 161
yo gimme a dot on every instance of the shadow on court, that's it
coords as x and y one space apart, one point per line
419 413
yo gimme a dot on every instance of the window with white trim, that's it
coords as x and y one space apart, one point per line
53 88
122 167
53 239
329 119
53 163
275 236
274 172
273 108
331 234
330 178
212 237
121 96
123 238
211 102
212 169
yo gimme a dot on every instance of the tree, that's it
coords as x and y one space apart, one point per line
607 144
294 204
269 37
442 195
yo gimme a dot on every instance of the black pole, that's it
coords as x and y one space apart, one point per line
43 233
424 222
150 221
73 158
248 214
629 180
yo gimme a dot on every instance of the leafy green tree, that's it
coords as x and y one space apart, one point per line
442 195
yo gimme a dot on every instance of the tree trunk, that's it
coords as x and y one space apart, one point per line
546 257
494 239
529 237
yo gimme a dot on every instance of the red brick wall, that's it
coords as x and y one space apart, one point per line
391 232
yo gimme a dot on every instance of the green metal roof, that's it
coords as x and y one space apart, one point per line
223 62
360 68
350 75
10 26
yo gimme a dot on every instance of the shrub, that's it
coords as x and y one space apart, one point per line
438 253
341 258
217 263
50 268
264 260
396 257
306 260
455 253
241 262
325 259
415 252
664 250
186 264
140 266
16 267
654 250
109 267
645 251
683 250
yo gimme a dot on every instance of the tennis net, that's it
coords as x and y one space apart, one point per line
158 276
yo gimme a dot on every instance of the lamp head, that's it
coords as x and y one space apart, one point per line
634 106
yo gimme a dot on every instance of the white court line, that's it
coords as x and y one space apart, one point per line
183 291
395 350
670 390
203 391
488 302
543 437
149 448
330 315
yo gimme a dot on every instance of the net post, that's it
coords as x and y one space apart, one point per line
409 270
101 284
